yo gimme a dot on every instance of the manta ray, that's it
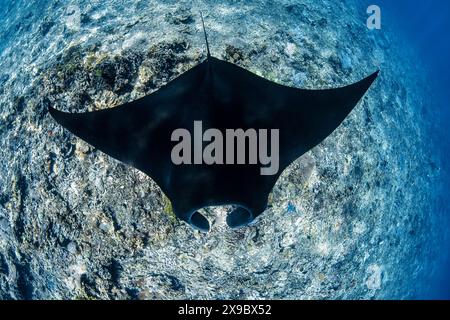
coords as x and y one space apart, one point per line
221 95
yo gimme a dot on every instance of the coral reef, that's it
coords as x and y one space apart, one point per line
351 219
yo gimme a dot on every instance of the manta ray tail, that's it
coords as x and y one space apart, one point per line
206 36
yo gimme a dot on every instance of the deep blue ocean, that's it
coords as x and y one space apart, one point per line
425 25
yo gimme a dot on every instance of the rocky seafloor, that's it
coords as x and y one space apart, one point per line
351 219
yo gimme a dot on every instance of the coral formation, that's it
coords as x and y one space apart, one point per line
351 219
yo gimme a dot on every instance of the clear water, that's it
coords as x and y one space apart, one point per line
422 25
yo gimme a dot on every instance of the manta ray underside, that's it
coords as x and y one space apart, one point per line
222 96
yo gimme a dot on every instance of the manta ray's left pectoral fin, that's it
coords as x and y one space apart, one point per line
310 116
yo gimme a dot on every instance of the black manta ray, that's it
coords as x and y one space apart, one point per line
221 95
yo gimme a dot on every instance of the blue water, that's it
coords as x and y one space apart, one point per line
425 25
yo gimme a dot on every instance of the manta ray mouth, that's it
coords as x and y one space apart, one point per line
199 222
238 218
